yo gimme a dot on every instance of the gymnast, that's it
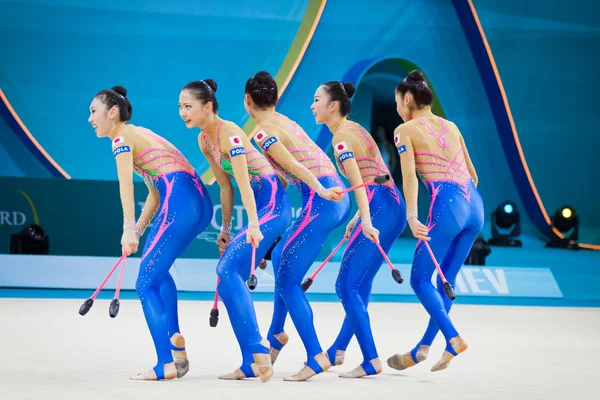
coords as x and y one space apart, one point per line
380 217
308 169
231 155
434 148
185 207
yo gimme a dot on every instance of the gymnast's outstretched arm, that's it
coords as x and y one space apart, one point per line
272 145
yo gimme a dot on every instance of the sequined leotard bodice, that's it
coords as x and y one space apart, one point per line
369 166
306 153
153 156
257 164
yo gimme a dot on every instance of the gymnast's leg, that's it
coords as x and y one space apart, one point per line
276 335
450 266
360 264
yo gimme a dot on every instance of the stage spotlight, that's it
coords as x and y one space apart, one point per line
479 252
506 225
566 221
31 240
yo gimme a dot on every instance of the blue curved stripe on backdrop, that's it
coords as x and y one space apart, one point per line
351 37
57 54
501 117
23 158
154 48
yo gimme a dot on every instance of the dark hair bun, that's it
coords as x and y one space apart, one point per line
350 89
416 76
415 83
262 89
116 96
263 77
121 90
268 93
212 84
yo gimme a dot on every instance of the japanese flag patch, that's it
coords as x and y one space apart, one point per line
235 141
396 139
118 140
260 136
341 147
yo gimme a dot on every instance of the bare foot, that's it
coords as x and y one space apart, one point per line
359 371
180 356
281 338
403 361
170 372
265 368
459 345
238 374
307 372
340 355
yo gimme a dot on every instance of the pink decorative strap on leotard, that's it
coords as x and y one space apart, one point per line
144 164
452 169
379 163
442 141
210 147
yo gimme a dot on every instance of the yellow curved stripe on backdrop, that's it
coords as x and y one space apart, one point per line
290 64
33 210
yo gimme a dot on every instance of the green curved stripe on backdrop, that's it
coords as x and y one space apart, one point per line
290 62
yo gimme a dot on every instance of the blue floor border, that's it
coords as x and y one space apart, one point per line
31 293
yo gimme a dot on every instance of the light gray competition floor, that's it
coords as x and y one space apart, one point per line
48 351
